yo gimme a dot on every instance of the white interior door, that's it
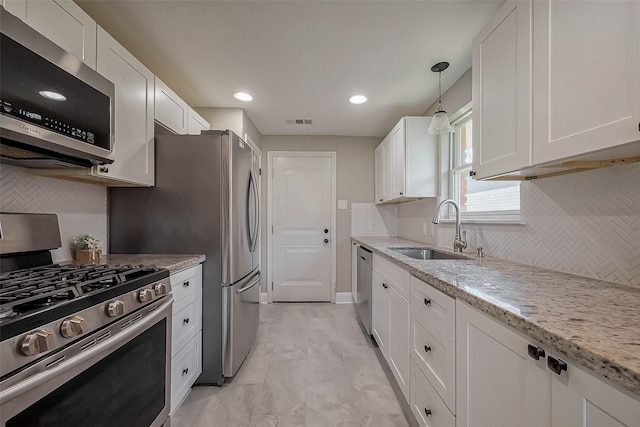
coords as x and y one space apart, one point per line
302 194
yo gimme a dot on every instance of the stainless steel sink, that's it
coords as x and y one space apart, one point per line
425 253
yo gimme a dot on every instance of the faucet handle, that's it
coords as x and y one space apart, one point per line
464 238
480 253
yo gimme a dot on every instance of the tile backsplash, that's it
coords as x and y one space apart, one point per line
586 223
81 208
369 219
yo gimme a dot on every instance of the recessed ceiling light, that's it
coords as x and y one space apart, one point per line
53 95
358 99
243 96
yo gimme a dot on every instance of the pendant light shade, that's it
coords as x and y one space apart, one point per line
440 122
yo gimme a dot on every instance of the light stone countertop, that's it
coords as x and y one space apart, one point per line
592 322
172 262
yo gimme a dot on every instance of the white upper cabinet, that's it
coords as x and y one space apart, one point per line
398 168
586 77
196 123
61 21
502 92
134 83
407 162
170 110
379 174
555 82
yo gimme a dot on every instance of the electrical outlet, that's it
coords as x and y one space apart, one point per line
424 228
370 225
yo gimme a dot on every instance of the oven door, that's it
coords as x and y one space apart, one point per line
119 376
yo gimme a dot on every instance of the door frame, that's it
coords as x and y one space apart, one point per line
332 236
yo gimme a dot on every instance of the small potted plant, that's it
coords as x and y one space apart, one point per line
87 248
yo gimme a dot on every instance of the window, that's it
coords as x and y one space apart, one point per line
498 200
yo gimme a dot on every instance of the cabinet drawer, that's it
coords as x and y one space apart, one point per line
186 282
186 366
186 321
425 400
396 276
436 306
435 354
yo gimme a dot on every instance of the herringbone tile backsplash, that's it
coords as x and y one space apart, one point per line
586 223
81 208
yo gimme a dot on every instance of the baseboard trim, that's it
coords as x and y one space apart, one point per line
344 298
264 298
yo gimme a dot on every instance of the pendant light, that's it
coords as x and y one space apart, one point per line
440 122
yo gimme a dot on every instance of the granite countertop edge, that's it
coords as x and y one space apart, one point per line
615 371
172 262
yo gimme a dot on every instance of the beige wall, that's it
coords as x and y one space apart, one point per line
235 119
354 182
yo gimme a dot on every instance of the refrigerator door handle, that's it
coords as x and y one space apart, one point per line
256 216
248 214
251 284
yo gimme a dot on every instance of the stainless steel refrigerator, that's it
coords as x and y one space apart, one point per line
205 200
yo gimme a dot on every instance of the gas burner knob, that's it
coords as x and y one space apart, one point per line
145 295
160 288
37 342
72 327
115 308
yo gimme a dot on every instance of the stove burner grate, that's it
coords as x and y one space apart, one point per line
41 287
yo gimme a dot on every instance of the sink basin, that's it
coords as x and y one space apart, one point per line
425 253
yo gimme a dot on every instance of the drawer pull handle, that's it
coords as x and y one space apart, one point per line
185 371
384 285
535 352
556 365
186 284
427 412
185 320
427 301
427 349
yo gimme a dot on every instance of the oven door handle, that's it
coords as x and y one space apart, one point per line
96 353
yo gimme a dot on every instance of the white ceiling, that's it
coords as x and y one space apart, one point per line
301 59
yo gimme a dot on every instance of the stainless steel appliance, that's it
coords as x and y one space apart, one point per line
205 200
81 345
363 289
55 111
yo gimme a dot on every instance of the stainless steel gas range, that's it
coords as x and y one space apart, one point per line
80 345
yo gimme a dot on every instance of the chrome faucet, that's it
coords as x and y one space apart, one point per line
460 242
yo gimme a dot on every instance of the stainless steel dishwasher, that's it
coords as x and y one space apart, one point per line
363 304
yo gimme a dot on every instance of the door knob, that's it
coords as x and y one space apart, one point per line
326 240
326 230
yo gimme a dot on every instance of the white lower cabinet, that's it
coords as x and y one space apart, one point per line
498 383
399 339
579 399
504 379
426 405
458 366
380 313
435 353
186 333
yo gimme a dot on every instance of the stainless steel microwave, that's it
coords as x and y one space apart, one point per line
55 111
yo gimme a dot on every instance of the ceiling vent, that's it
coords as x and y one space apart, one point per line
299 121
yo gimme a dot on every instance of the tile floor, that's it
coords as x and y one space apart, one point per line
311 366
